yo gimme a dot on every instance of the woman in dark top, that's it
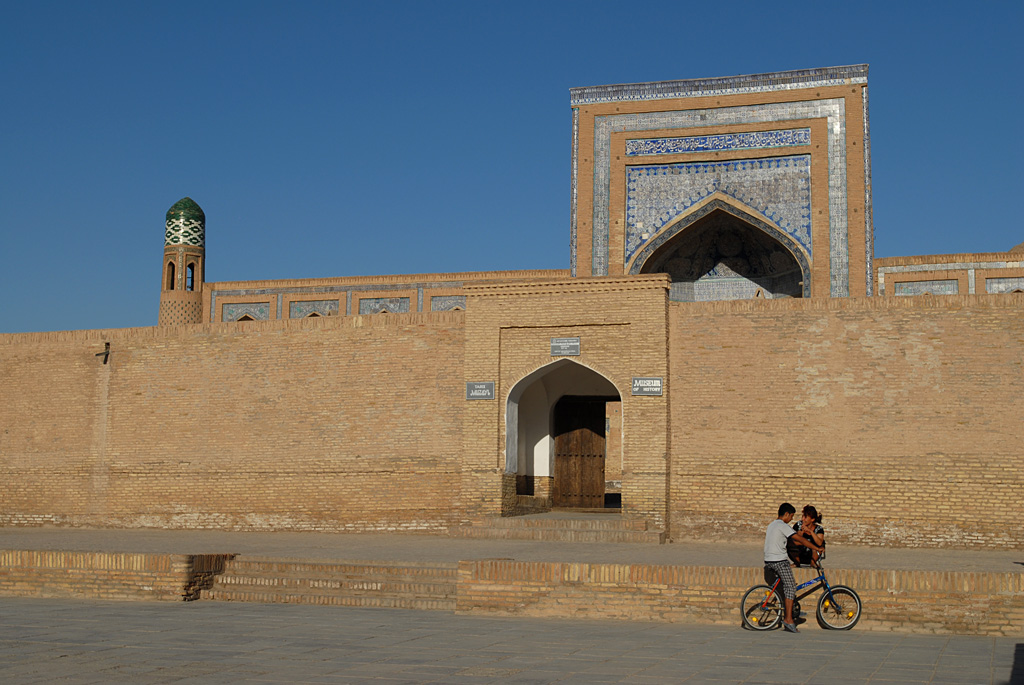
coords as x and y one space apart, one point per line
809 526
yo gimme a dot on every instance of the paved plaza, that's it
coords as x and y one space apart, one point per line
85 641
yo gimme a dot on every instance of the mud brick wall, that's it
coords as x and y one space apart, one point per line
348 423
899 418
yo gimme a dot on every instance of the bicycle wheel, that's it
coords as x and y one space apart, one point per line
841 610
762 608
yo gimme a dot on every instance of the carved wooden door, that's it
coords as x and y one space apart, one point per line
579 453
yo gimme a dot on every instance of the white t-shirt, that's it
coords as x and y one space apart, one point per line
775 540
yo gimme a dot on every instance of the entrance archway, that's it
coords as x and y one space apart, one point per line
724 253
560 422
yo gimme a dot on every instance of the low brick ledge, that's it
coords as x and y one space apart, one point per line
968 603
108 575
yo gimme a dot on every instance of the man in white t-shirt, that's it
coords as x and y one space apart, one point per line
776 559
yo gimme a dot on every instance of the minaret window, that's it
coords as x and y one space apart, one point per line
190 275
170 275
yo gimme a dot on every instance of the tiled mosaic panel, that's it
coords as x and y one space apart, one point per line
376 305
779 188
944 287
728 141
832 110
300 310
182 231
259 311
447 303
1003 285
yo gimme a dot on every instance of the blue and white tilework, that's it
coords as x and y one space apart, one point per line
777 187
723 85
969 267
869 226
780 282
302 309
258 311
377 305
753 140
833 110
447 303
574 189
1003 285
943 287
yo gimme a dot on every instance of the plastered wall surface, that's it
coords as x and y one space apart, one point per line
898 418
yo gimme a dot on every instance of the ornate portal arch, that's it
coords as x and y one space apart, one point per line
722 240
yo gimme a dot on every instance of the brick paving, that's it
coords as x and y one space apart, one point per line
87 641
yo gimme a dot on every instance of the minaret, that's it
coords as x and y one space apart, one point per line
181 290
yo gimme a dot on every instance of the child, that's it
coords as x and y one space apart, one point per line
809 528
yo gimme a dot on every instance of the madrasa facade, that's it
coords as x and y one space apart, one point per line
723 339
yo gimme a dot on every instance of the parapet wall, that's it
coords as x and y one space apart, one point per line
899 418
323 424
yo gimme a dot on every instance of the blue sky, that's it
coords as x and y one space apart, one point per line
342 139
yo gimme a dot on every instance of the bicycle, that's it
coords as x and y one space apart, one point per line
763 608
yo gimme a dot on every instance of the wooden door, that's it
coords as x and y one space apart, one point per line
579 452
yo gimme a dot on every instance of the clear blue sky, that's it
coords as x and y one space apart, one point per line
343 139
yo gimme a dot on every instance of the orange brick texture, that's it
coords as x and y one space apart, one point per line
906 601
621 324
321 424
899 418
102 575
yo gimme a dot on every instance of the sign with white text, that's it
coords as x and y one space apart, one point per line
480 391
647 386
565 347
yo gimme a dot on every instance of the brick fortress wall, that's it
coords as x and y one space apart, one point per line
899 418
323 424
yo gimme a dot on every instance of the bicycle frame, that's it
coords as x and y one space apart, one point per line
820 580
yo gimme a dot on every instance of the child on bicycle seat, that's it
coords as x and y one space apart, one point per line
809 528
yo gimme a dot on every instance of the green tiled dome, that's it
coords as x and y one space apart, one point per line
186 224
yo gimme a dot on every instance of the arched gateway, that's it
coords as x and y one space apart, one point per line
561 421
722 252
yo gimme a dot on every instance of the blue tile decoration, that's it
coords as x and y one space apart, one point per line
753 140
303 308
869 219
313 290
777 187
574 189
447 303
943 287
378 305
969 267
1003 285
716 281
725 85
832 110
258 311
